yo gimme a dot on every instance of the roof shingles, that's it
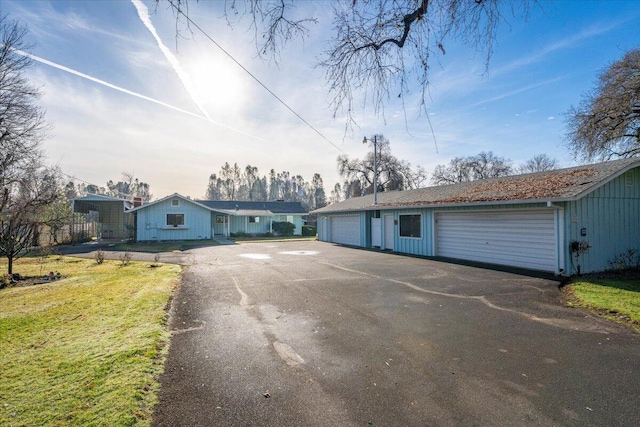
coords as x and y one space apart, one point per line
551 185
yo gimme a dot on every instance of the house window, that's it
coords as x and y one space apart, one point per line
221 219
290 218
410 225
175 220
254 219
175 202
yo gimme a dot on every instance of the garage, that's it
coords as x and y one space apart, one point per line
345 229
525 239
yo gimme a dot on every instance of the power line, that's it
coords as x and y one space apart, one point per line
180 11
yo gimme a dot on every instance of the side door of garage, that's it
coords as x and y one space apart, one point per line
517 238
345 229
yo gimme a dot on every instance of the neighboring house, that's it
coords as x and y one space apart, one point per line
535 221
109 212
176 217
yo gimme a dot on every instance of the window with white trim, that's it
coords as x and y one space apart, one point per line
175 220
254 219
411 225
175 202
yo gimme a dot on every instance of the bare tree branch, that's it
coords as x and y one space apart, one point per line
606 124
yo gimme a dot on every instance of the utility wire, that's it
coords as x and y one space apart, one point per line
180 11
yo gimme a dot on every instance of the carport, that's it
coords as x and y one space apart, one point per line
102 217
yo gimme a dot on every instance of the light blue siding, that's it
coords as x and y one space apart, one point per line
611 218
152 222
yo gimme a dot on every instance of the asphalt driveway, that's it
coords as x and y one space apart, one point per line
312 334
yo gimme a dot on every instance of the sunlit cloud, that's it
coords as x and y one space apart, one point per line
128 92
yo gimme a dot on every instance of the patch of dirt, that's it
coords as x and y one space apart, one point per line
23 281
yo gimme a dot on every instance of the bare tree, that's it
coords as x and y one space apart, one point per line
25 186
319 198
36 189
462 169
606 124
392 173
129 187
22 123
539 163
337 194
377 46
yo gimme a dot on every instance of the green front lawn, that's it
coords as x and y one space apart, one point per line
615 299
86 349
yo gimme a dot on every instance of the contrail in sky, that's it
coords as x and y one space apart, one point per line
128 92
143 14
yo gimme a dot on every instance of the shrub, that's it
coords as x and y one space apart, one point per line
284 228
239 234
309 230
125 258
99 256
626 260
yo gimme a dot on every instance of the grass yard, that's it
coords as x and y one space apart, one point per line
615 299
84 350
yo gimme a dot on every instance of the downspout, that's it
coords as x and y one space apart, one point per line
559 226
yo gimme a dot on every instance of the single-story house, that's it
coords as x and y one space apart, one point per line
566 221
109 213
176 217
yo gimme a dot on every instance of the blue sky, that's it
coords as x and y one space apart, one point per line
158 129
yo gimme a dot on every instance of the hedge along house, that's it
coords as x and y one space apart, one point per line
566 221
176 217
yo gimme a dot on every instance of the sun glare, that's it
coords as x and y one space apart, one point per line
219 85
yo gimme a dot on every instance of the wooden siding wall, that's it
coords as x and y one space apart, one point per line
611 217
152 222
242 224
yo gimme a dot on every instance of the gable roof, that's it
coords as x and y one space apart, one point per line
236 208
551 186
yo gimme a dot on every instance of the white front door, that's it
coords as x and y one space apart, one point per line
376 232
389 232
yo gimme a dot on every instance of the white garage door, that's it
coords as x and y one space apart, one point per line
345 229
524 239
